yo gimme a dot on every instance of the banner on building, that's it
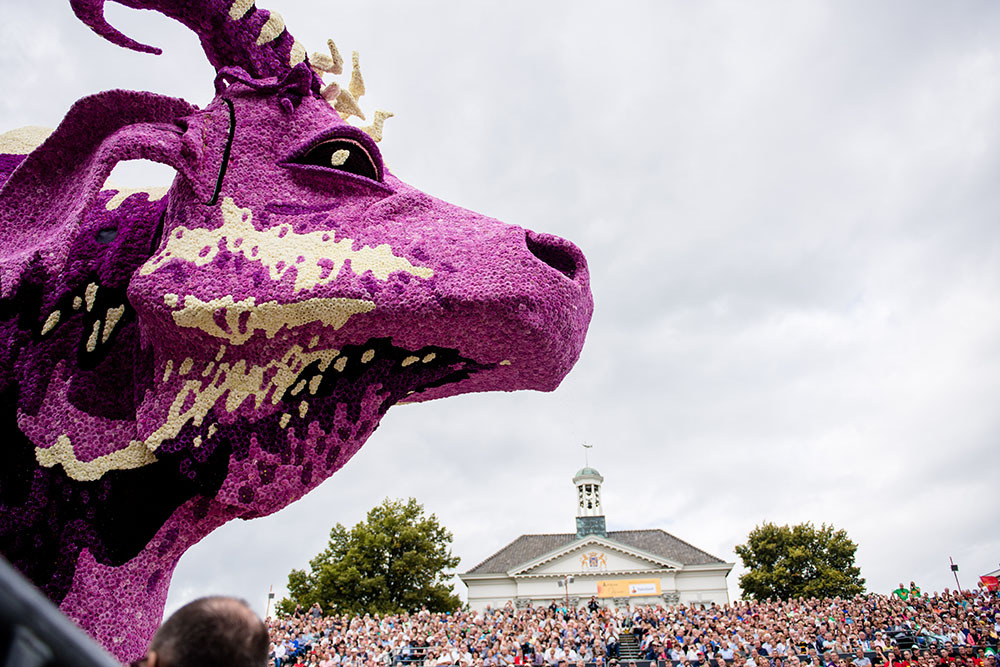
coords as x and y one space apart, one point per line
620 588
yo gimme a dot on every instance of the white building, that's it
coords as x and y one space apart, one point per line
622 567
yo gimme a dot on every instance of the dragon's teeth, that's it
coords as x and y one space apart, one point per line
90 293
51 322
92 341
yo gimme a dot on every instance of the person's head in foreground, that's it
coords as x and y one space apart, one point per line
216 630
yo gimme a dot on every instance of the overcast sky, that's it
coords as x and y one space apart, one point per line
790 211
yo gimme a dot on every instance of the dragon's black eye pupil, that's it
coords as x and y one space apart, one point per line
342 154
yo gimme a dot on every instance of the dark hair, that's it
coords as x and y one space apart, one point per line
216 630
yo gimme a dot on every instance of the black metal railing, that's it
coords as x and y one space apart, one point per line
34 633
415 657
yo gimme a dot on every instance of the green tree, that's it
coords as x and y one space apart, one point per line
799 561
393 561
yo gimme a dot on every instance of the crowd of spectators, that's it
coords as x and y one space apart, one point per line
950 629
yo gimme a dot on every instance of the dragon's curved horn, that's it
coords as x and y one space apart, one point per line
233 33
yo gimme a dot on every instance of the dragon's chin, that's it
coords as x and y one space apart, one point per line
262 454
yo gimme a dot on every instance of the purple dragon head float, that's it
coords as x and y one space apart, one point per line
172 361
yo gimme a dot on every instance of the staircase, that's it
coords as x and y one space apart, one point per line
628 647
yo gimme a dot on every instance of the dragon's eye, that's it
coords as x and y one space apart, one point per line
344 154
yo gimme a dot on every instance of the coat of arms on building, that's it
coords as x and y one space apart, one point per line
593 560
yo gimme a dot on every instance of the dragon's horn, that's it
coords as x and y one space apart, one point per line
233 33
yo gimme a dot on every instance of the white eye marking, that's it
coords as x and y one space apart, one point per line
339 157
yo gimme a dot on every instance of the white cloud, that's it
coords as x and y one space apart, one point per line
790 216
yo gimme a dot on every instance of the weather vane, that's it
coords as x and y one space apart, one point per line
586 452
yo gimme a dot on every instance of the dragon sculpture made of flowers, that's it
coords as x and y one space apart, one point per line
174 360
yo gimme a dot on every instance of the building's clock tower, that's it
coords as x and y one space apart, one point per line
589 510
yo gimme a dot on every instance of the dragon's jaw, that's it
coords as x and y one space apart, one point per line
308 414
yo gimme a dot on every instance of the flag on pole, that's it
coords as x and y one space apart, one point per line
991 583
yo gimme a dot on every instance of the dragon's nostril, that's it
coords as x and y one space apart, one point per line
558 253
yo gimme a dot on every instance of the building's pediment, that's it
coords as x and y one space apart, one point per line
593 554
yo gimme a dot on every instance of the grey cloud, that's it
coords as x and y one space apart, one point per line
789 211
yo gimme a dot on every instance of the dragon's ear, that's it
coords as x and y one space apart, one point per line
43 201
